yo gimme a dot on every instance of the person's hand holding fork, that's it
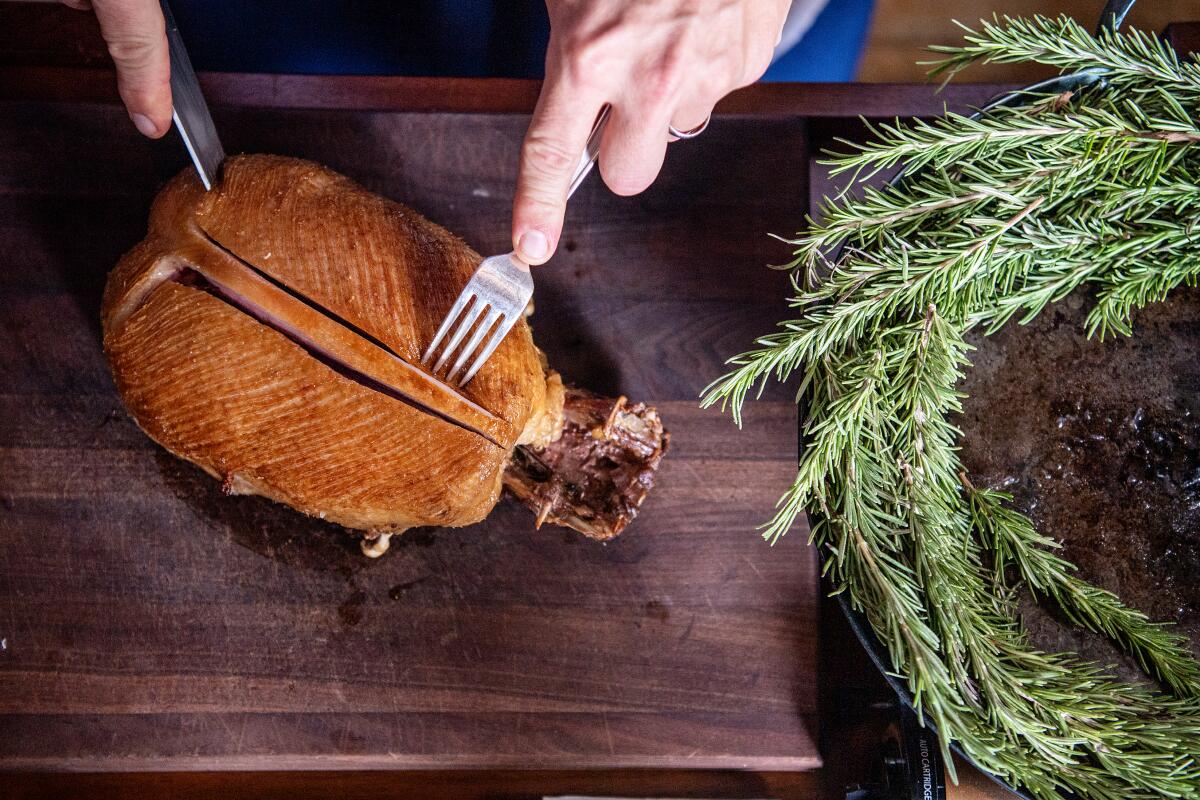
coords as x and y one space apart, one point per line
658 63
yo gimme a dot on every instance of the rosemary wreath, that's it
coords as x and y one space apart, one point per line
1097 189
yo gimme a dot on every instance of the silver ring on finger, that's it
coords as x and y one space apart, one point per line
689 134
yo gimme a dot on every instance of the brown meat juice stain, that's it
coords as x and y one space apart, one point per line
350 612
656 610
1099 443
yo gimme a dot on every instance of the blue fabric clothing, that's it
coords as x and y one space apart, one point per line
453 38
830 50
464 38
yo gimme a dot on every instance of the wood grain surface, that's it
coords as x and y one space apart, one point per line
447 785
149 622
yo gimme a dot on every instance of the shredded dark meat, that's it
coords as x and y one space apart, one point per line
595 476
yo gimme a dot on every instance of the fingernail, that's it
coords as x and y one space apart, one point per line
144 125
533 245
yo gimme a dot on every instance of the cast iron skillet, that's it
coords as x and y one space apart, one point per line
1111 18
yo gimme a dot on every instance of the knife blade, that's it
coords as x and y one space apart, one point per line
190 112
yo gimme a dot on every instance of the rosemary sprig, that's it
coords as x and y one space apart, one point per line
1136 60
995 218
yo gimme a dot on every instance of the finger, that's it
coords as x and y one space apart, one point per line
633 149
136 36
78 5
691 116
556 138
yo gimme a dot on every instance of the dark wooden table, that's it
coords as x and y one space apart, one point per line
150 623
153 623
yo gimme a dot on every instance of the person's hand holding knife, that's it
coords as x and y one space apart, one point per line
658 63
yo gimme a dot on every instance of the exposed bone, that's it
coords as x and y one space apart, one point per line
375 544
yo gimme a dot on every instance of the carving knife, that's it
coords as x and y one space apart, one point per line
190 112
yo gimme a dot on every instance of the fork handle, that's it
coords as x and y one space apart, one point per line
587 159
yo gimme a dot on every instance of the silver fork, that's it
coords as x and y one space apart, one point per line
498 293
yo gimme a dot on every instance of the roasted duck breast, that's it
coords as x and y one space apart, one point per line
270 331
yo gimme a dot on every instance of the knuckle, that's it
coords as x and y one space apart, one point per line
534 205
133 52
587 61
545 157
664 81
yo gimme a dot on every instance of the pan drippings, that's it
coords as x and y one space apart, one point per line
1100 443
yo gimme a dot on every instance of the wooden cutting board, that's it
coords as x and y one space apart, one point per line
149 622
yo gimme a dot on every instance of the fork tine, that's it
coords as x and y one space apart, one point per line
464 325
469 348
506 324
464 297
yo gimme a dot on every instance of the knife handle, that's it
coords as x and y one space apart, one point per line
591 151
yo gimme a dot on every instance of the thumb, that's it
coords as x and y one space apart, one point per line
136 36
552 149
